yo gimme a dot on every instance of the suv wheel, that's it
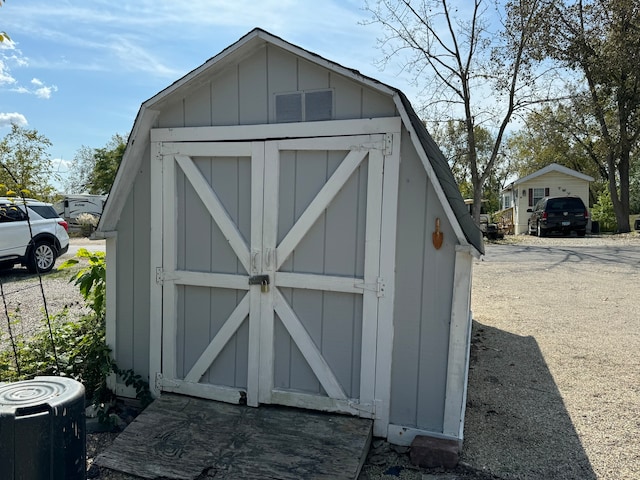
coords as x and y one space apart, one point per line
541 232
41 258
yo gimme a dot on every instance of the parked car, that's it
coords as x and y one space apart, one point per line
31 234
558 214
636 224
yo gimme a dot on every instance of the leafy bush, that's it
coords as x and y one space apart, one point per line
603 213
80 349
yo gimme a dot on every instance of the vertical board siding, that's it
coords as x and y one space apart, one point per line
142 267
132 270
422 309
312 77
347 97
412 204
243 94
436 310
253 97
197 107
125 291
224 103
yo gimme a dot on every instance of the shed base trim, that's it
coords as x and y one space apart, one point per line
400 435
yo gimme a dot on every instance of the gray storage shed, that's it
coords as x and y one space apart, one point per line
283 230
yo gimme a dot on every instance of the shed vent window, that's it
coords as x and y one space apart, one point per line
318 105
304 106
289 107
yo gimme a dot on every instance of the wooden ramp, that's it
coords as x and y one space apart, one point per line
179 437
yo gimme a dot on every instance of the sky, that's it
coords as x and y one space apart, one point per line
77 71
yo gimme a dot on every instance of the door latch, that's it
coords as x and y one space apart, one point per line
262 280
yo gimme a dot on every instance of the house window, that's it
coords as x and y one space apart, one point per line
537 194
506 200
304 106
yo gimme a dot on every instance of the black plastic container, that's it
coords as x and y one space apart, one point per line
42 430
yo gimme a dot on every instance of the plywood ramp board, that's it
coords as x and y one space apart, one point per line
179 437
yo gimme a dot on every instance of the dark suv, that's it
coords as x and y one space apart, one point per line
558 214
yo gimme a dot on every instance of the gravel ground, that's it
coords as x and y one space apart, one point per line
554 390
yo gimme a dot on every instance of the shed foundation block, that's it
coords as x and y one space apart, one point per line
430 452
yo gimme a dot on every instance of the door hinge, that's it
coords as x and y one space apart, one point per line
377 287
164 382
363 407
388 144
162 276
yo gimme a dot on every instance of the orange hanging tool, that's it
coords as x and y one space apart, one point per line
437 235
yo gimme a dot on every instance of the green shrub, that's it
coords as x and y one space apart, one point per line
603 213
80 349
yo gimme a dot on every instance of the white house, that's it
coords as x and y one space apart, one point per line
283 230
551 181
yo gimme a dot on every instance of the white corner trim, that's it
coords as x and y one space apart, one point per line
110 320
459 340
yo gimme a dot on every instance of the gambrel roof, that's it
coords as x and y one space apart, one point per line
433 160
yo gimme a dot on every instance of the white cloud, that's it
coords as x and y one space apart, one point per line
39 89
42 90
5 74
7 119
45 92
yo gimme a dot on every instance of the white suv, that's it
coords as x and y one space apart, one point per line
37 247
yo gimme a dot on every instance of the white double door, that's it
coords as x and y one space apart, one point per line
271 270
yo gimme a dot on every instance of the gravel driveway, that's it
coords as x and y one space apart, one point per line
554 384
554 387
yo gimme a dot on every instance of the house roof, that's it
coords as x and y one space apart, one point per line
554 167
432 158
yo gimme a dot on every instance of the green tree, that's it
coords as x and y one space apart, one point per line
600 41
458 53
94 170
451 139
25 166
80 171
558 133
